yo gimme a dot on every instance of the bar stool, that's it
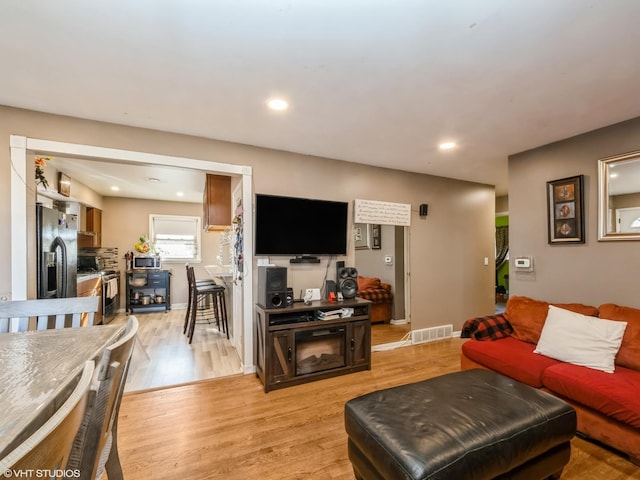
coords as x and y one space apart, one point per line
199 292
201 300
220 308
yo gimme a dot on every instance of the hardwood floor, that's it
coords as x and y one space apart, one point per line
384 333
228 428
162 355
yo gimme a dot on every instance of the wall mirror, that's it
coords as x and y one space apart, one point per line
619 197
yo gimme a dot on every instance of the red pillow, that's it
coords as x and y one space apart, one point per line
527 316
629 353
365 283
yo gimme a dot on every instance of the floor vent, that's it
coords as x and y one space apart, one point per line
430 334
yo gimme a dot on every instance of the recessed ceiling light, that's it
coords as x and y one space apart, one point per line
153 179
180 194
613 175
447 145
278 104
115 188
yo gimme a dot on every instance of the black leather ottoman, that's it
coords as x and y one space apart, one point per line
474 424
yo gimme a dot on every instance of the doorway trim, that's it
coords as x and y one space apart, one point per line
21 145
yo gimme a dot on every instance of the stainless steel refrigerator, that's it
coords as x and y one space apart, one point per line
57 243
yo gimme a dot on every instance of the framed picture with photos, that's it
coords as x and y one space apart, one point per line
565 210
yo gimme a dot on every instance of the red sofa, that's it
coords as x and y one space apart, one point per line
607 404
379 293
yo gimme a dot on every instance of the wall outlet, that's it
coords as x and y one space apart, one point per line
312 294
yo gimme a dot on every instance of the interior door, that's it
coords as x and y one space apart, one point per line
626 218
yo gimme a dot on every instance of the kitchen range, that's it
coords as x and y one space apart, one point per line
90 265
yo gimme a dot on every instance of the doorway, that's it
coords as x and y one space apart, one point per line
23 148
382 253
628 220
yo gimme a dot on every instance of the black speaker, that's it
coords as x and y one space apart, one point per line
289 296
348 282
424 209
339 265
329 287
272 286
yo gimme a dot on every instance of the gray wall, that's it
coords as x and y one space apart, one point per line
449 281
594 272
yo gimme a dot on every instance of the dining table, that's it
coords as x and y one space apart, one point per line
38 372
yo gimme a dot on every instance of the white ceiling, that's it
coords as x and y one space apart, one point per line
369 81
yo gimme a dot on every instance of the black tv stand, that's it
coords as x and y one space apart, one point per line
305 259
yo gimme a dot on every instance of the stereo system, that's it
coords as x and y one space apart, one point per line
273 291
295 317
347 281
289 296
272 286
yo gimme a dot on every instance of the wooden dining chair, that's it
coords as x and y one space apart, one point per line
47 313
49 446
95 446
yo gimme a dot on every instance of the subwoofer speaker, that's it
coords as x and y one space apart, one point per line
347 281
272 286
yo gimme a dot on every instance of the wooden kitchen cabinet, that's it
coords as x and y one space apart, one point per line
94 224
91 236
91 287
217 203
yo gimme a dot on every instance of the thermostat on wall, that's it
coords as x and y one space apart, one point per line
523 264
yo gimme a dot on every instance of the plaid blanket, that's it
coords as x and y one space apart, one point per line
376 295
490 327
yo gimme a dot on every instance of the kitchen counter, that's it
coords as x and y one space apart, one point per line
87 276
216 271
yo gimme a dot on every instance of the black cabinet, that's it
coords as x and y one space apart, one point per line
295 346
148 290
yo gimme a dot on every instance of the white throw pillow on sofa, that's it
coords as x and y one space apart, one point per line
574 338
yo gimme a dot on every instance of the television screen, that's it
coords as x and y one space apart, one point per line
300 226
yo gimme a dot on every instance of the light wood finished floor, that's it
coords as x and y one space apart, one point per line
162 355
228 428
384 333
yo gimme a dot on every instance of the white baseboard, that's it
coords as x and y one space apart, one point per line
391 346
402 321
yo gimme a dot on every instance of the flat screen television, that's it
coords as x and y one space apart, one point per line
300 227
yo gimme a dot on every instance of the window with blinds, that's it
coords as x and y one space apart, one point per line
175 237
